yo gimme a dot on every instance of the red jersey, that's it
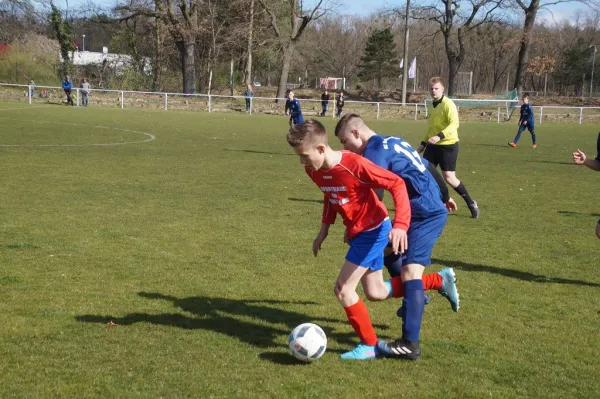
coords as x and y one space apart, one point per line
348 189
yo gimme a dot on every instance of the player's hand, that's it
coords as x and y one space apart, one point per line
317 243
434 139
524 123
451 205
420 148
399 240
579 157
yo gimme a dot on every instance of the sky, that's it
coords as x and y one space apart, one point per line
365 7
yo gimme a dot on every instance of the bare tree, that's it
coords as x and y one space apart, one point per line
456 19
180 17
530 9
298 21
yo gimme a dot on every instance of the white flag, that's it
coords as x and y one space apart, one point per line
402 63
412 71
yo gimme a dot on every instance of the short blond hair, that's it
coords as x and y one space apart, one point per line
437 79
309 132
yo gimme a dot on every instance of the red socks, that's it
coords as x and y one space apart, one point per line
358 316
430 282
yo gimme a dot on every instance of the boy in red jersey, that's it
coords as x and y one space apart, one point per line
347 181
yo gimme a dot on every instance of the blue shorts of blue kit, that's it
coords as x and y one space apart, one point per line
422 236
529 126
366 249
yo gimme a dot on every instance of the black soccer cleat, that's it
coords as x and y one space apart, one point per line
400 349
474 210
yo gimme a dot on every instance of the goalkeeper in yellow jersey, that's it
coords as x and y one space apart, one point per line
441 141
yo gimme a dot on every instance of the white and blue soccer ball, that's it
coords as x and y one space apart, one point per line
307 342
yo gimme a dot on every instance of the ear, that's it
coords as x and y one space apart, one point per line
321 148
355 133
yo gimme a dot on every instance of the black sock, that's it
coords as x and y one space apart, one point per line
462 191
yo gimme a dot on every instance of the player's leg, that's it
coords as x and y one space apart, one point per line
432 154
518 136
448 157
598 229
364 255
531 128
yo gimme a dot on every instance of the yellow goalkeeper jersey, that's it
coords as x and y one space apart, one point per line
442 119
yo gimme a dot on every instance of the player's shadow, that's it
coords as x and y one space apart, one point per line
526 276
260 152
256 322
572 213
305 200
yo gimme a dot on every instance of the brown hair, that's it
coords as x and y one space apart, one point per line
525 96
309 132
345 121
437 79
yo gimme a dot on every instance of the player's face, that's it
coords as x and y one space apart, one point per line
291 95
436 90
350 142
525 100
311 156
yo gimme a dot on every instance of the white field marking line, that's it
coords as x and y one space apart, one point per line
150 136
20 108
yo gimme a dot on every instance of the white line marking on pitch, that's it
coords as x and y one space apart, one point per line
150 136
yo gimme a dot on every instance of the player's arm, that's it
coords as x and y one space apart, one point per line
440 182
383 178
327 220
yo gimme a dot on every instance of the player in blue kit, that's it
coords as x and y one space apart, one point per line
526 121
292 108
428 218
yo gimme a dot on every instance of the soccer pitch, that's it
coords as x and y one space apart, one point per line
168 254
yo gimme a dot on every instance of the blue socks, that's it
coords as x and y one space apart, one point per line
414 306
393 263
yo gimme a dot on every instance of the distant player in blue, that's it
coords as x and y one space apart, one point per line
579 158
292 108
526 121
429 213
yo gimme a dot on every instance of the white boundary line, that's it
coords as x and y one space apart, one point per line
20 108
151 137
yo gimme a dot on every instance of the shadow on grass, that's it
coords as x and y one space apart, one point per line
261 152
554 162
571 213
305 200
525 276
490 145
256 322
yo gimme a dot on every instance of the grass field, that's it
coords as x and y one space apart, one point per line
197 245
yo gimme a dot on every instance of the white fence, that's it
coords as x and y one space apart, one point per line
470 109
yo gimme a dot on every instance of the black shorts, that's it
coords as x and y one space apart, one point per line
443 155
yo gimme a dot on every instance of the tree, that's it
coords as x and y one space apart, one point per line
64 35
180 17
298 21
530 9
380 59
456 19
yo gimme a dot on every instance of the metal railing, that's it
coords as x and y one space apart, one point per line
498 110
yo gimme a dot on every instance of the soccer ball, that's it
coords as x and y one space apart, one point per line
307 342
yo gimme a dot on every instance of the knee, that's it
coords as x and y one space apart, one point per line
341 291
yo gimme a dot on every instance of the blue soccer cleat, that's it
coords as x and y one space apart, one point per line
361 352
448 289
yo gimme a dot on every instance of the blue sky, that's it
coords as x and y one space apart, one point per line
364 7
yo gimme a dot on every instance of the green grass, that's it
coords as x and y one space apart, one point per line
198 246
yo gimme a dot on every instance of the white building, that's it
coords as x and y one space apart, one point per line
117 62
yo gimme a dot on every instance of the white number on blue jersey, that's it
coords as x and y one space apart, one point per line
405 149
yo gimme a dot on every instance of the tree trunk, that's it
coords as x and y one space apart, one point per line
188 64
249 62
528 27
157 72
288 52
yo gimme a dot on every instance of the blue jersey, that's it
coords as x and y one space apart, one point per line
526 113
295 111
396 155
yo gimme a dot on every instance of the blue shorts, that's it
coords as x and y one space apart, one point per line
529 126
422 235
366 249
